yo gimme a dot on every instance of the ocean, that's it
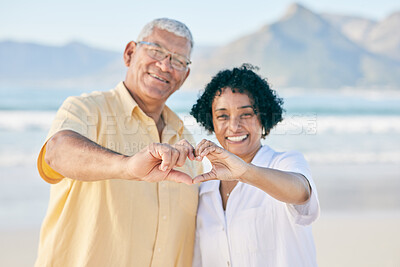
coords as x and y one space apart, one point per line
328 127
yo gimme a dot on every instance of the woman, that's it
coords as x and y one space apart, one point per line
257 204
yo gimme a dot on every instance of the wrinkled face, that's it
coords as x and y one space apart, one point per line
150 80
236 126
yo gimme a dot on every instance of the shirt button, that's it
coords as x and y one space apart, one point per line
163 185
223 229
159 249
164 217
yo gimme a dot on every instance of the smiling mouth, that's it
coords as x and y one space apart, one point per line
237 138
158 78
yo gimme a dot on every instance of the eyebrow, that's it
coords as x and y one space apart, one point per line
242 107
248 106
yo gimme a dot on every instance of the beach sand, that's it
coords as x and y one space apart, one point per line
360 215
352 240
359 223
341 239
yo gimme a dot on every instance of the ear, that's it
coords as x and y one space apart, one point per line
187 74
130 50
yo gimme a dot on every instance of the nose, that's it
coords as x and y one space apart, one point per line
165 63
234 124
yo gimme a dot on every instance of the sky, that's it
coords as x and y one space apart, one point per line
112 24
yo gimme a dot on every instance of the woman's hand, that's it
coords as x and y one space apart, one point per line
225 165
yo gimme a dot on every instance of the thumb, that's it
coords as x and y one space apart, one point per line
179 177
205 177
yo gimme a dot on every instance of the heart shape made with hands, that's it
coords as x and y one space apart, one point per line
225 165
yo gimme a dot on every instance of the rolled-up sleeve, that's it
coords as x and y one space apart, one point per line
308 212
75 115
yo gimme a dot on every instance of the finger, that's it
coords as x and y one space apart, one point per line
174 157
186 150
201 146
179 177
206 145
208 150
182 154
213 149
204 177
153 151
198 146
157 151
165 152
189 148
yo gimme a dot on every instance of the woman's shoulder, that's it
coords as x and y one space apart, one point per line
292 154
268 156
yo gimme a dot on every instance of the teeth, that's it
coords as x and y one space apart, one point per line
158 78
237 138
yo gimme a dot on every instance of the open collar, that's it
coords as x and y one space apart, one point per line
172 121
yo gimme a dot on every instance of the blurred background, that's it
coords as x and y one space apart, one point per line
335 63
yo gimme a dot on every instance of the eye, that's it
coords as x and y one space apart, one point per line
247 115
222 117
177 63
156 53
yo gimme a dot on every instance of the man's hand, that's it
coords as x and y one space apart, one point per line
155 163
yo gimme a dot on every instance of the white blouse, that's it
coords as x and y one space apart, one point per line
256 229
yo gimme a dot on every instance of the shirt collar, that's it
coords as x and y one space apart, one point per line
213 186
172 121
128 103
209 186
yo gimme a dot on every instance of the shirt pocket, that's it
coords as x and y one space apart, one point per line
253 230
188 198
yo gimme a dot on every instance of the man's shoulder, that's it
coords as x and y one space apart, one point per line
93 99
95 95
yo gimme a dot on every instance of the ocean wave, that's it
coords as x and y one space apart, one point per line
293 124
313 124
359 124
354 157
17 159
25 120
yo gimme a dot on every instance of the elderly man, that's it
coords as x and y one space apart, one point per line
122 192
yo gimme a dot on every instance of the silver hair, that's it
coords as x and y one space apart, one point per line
170 25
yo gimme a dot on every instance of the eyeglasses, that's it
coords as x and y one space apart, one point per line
157 52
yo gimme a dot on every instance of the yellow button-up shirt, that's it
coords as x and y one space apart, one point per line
117 222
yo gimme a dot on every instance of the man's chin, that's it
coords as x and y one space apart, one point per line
158 93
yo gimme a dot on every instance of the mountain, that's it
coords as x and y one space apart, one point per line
354 28
303 49
28 64
384 37
377 37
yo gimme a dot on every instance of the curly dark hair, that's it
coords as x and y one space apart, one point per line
266 104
